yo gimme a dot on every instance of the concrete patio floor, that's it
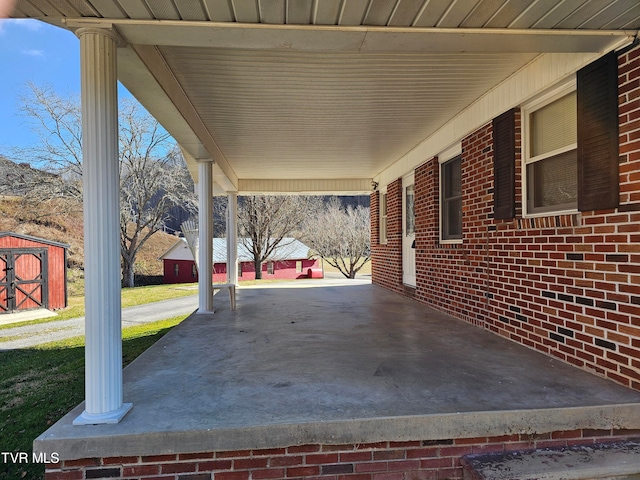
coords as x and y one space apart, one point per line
323 363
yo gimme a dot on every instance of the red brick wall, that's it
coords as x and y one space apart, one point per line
566 285
386 269
417 460
282 269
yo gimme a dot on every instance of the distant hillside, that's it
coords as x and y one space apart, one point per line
58 221
14 176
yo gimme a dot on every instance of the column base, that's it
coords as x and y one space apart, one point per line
201 311
111 417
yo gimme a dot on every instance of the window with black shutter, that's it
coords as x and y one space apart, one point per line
504 158
550 153
598 170
570 145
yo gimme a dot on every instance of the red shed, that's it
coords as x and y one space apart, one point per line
33 273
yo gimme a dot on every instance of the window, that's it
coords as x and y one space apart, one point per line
551 161
383 217
410 217
570 147
270 268
298 266
194 271
451 199
239 269
176 269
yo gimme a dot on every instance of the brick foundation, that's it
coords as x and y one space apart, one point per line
379 461
565 285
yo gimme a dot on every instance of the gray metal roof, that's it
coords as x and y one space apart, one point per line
288 249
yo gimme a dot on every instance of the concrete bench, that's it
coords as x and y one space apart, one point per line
232 292
619 461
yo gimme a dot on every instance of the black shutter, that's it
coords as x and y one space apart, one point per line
598 176
504 165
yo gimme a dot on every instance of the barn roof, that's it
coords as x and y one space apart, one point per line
289 249
34 239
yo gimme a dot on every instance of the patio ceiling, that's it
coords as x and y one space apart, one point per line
323 95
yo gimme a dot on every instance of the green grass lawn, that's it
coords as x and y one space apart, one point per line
130 298
40 385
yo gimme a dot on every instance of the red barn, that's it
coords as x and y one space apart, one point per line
290 261
33 273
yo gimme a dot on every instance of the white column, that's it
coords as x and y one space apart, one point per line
232 238
101 183
205 236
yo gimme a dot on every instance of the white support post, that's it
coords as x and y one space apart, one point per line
232 238
101 183
205 236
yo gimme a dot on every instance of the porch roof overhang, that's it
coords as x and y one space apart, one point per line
325 97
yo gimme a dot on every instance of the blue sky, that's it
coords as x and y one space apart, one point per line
32 51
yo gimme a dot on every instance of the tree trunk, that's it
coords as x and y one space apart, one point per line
128 277
258 267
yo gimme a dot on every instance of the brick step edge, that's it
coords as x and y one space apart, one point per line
620 460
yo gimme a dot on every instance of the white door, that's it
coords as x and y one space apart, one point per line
408 232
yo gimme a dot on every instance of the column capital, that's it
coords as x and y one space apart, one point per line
107 31
204 160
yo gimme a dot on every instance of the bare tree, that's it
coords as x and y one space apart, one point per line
153 179
58 155
264 223
341 236
153 176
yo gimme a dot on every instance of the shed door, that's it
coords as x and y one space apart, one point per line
408 232
4 281
23 276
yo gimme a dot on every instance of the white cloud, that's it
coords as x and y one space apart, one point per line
33 53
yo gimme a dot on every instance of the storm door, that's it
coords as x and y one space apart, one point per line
408 232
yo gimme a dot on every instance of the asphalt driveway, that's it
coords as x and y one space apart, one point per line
31 335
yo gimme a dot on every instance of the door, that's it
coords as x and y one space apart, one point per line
408 232
4 281
23 275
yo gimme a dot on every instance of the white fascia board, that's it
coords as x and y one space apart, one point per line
165 78
143 72
364 39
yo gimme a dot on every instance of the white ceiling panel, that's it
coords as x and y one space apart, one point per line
327 112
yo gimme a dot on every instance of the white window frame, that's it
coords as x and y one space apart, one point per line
449 154
382 219
550 96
